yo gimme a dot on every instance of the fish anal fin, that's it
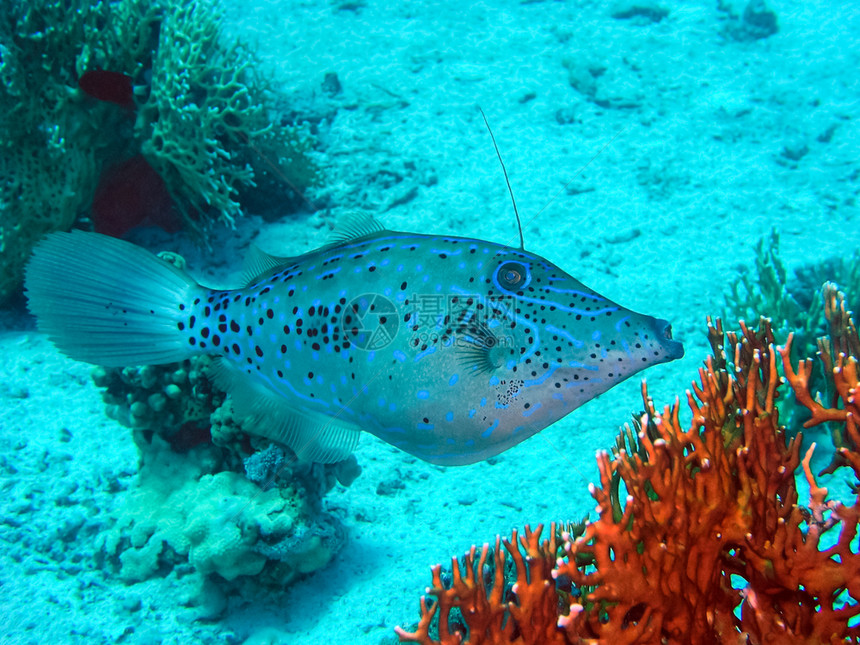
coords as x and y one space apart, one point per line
312 436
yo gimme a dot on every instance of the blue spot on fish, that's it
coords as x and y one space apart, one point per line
530 411
486 433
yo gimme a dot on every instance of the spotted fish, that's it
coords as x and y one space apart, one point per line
449 348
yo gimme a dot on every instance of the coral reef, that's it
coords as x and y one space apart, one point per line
167 398
199 111
54 140
699 537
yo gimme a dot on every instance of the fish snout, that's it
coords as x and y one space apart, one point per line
674 349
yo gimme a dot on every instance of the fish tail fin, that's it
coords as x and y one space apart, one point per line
108 302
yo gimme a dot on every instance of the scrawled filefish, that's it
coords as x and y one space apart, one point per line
449 348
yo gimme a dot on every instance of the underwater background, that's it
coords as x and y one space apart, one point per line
653 147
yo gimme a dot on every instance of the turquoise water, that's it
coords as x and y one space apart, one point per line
648 151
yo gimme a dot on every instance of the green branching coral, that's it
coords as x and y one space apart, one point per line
205 125
789 299
205 119
793 303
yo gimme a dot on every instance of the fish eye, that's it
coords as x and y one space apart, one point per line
512 276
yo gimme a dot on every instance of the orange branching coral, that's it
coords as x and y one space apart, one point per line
707 546
838 355
491 619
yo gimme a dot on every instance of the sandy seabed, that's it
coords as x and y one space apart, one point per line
647 159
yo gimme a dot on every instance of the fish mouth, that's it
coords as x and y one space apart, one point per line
674 349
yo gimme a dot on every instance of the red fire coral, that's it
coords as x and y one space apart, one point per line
490 618
707 546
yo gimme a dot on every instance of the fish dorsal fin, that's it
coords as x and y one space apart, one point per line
353 227
258 262
313 436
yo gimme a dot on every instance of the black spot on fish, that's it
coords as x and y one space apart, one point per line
234 326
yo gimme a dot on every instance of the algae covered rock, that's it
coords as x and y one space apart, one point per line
233 507
186 510
220 523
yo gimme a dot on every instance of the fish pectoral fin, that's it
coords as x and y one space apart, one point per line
257 262
478 348
353 227
313 436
